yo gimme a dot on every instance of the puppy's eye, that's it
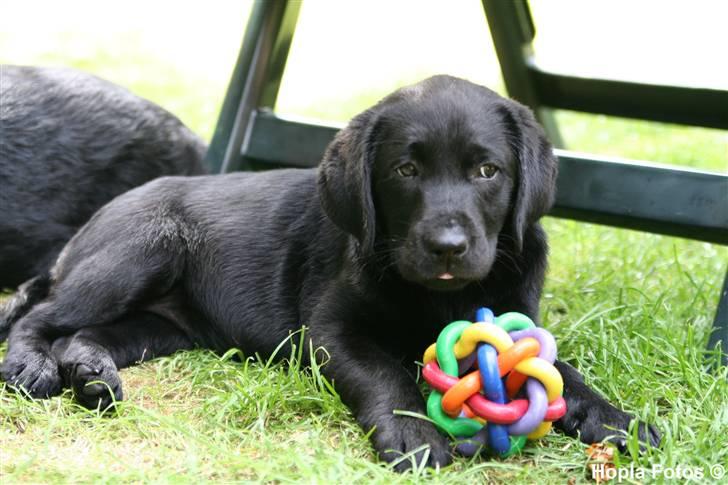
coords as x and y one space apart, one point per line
407 170
487 171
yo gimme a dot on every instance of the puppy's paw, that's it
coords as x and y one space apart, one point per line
596 420
407 442
32 372
95 384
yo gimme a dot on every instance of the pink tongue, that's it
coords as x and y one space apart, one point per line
445 276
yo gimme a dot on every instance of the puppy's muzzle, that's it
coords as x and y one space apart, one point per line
446 244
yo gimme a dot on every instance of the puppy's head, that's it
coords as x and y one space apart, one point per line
432 176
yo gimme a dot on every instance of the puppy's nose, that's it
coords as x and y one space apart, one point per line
447 243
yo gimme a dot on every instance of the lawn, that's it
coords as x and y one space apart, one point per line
632 311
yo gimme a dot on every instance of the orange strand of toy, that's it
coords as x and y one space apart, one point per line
514 383
455 397
520 350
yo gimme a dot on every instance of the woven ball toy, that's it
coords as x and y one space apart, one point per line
477 372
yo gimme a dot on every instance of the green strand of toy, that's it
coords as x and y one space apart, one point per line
449 365
517 444
513 321
445 342
455 426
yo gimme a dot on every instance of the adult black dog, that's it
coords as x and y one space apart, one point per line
424 208
69 143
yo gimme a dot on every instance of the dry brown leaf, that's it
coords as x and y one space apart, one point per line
600 459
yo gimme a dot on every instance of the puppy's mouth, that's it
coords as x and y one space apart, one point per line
438 275
438 280
447 282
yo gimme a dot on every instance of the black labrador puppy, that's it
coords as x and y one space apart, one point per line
69 143
424 208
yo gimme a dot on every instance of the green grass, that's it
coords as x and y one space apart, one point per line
632 311
632 315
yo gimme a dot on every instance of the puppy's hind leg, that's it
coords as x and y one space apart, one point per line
97 291
28 294
90 359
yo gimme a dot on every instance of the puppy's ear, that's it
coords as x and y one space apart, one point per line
537 168
344 179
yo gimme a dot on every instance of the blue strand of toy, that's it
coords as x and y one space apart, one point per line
493 387
484 314
492 384
470 446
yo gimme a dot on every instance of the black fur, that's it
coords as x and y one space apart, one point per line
28 294
374 259
69 143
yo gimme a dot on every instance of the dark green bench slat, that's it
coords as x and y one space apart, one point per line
669 104
665 200
286 141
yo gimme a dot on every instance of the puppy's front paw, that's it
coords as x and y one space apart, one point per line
595 420
401 435
95 385
35 373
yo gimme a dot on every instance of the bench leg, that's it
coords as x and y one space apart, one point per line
720 325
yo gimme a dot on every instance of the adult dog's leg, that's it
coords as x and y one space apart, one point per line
90 358
99 290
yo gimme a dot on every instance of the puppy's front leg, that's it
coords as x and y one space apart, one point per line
592 418
373 384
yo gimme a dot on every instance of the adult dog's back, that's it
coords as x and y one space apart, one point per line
69 143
